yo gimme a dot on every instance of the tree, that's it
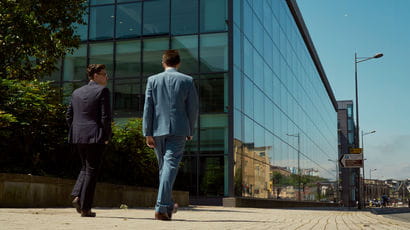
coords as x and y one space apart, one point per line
35 34
32 126
279 181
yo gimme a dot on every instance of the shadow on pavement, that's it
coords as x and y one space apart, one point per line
224 221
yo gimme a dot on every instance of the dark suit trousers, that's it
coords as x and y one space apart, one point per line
91 155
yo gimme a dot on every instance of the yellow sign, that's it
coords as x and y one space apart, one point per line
355 150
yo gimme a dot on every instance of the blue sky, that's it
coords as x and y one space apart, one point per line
339 28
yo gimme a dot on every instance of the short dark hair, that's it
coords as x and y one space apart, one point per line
171 58
94 68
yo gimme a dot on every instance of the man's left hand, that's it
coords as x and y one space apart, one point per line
150 141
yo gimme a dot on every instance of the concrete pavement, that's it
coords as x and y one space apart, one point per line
198 217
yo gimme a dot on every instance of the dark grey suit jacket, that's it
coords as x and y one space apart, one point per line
89 115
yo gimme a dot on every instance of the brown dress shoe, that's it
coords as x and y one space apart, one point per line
161 216
87 213
174 210
76 204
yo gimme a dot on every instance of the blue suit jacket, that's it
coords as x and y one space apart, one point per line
171 105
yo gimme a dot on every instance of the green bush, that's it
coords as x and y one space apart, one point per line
33 139
128 160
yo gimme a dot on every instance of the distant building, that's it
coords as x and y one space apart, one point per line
374 189
349 178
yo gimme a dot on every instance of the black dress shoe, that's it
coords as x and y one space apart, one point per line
87 213
161 216
76 204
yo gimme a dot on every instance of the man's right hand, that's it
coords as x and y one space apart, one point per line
150 141
188 138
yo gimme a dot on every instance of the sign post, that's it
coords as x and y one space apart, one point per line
355 150
352 160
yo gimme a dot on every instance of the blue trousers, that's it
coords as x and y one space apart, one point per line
169 151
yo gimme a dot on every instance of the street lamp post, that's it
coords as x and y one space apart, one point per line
299 175
370 178
364 189
337 177
358 60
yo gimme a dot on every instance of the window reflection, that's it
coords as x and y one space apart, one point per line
187 175
184 21
214 52
96 2
102 22
127 96
102 53
128 59
213 133
156 17
188 50
213 15
211 176
152 55
212 93
82 30
129 18
75 65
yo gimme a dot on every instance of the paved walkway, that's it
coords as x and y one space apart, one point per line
197 217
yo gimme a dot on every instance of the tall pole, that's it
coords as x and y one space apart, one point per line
299 172
299 177
364 184
359 205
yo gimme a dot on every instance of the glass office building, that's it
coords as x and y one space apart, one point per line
260 83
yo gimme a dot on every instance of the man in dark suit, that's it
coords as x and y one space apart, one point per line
89 120
170 114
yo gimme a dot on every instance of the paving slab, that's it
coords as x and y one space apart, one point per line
197 217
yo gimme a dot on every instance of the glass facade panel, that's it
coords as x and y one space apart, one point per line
212 93
284 106
156 17
211 176
183 18
128 22
187 175
101 22
213 134
188 51
75 65
82 30
97 2
128 59
56 75
214 52
152 55
102 53
119 1
214 14
127 97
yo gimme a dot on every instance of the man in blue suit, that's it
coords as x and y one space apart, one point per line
170 114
